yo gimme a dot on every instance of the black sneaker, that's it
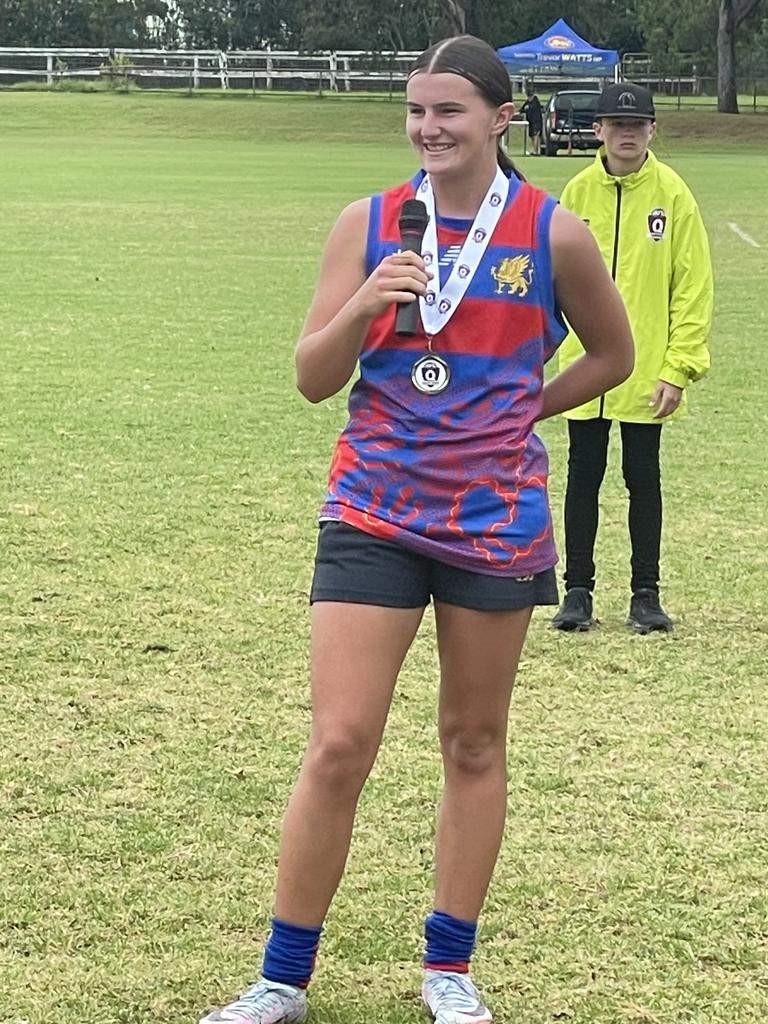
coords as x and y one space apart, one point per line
575 613
646 614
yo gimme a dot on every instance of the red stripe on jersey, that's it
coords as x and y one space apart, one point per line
517 228
457 968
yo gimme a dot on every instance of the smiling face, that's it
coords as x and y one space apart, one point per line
626 141
451 125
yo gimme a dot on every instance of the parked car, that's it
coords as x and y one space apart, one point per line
568 119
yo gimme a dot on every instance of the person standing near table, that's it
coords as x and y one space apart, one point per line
653 240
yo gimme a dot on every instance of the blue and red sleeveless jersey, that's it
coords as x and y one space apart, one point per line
459 475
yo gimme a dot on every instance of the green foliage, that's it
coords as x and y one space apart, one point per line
115 73
233 24
385 25
606 23
78 22
688 27
60 69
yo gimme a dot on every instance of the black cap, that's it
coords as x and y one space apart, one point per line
625 99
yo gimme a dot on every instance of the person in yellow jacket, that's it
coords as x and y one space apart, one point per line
653 240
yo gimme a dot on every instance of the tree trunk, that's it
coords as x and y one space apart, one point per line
726 59
457 16
731 14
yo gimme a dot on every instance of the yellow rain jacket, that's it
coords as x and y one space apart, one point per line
653 241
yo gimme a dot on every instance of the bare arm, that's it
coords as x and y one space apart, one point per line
345 303
594 309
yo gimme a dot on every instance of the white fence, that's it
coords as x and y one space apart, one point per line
337 71
194 69
334 71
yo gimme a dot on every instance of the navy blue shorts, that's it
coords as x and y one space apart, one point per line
356 568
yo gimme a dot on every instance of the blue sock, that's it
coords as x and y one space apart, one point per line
289 957
449 942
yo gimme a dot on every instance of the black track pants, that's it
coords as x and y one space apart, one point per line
587 456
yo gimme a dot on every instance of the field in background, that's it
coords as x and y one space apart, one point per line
160 478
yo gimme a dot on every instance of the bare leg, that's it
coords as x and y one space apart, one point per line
356 653
479 652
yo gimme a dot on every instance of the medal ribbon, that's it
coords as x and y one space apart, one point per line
439 304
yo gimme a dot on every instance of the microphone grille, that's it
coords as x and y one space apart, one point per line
413 216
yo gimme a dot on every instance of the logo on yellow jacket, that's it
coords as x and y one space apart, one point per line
657 224
515 273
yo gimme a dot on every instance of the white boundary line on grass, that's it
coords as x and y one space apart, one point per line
743 235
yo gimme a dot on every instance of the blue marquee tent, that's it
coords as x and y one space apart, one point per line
559 50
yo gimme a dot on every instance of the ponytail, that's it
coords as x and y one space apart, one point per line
507 164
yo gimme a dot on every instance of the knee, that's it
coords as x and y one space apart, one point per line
475 751
340 760
584 467
641 478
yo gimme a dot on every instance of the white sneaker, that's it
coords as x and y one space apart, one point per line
452 998
266 1002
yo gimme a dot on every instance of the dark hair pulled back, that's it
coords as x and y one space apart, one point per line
475 60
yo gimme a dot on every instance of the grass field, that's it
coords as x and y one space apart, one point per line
160 478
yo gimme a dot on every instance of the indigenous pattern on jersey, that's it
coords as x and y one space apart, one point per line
458 475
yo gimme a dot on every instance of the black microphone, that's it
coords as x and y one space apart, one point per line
412 223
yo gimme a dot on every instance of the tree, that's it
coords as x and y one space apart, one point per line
78 22
732 14
121 22
679 35
455 12
373 25
237 24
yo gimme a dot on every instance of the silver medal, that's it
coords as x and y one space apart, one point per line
430 374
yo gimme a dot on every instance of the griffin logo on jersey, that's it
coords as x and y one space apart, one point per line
514 272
